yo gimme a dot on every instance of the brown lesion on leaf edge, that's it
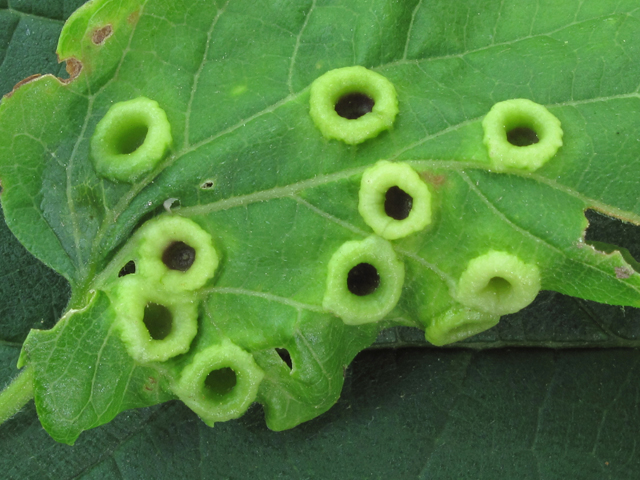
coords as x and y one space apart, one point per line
73 67
623 272
29 79
100 35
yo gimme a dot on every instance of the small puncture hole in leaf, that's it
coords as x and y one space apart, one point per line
128 269
498 286
220 382
397 203
354 105
131 139
522 136
179 256
159 320
363 279
207 185
285 356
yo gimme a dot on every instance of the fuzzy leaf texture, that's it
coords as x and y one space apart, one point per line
234 80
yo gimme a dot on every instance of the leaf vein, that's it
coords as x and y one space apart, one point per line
409 30
265 296
270 194
297 46
488 47
196 77
96 366
331 218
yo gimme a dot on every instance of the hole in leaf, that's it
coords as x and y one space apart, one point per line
158 320
207 185
499 286
397 203
130 139
354 105
609 234
179 256
285 356
220 382
363 279
522 136
128 269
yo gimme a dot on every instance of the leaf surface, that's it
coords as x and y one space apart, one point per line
285 199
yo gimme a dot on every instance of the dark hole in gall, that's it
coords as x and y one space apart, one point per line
220 382
128 269
522 136
179 256
158 320
285 356
354 105
363 279
397 203
131 139
499 286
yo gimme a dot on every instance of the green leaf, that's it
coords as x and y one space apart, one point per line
78 385
285 199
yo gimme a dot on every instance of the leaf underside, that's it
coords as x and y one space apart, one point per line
234 81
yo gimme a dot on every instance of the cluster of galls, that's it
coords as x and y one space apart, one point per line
157 308
365 278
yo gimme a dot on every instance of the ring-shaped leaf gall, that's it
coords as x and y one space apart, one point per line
521 134
498 283
393 200
176 252
130 140
153 325
352 104
457 324
220 383
364 281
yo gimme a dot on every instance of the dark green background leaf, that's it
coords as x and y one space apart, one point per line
414 413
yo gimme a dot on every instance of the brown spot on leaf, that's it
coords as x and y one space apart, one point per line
151 385
134 17
623 272
29 79
73 67
100 35
436 180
